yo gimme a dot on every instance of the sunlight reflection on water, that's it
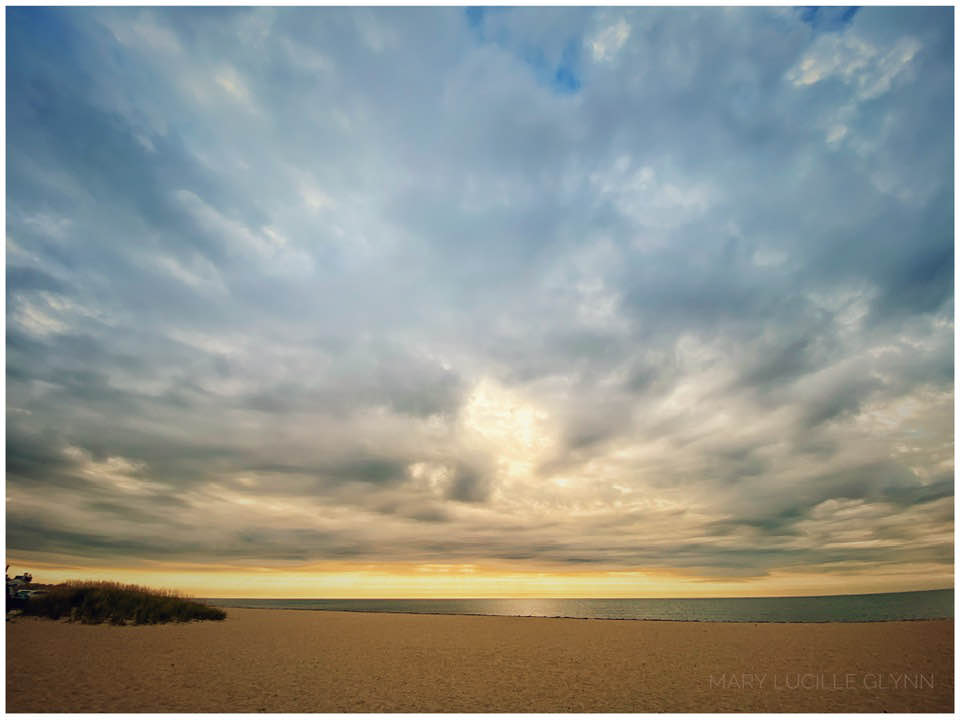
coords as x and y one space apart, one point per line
838 608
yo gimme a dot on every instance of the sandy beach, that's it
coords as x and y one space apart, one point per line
308 661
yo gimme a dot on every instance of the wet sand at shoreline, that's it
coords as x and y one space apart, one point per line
313 661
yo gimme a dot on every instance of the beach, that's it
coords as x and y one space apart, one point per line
289 661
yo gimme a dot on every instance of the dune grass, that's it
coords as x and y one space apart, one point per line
99 602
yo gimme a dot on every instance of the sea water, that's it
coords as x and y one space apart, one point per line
922 605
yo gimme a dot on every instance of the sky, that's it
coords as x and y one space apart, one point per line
345 302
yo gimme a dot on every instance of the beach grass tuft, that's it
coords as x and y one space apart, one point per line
118 604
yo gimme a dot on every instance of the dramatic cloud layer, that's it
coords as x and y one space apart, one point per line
554 288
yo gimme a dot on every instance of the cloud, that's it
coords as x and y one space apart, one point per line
610 289
608 41
856 62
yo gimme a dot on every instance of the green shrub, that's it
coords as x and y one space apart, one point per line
97 602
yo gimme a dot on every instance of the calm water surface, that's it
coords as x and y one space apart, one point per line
924 605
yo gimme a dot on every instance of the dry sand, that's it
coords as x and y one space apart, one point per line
303 661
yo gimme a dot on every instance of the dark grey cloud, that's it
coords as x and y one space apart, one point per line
608 288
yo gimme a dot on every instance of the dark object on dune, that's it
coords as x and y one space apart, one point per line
19 589
98 602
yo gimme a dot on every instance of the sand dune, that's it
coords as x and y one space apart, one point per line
302 661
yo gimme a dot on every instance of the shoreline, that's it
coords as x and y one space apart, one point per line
578 617
724 597
285 661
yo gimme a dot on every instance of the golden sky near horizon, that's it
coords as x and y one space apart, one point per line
437 580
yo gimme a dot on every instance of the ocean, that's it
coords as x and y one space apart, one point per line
922 605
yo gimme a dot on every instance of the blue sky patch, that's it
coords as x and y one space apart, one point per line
827 19
562 75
